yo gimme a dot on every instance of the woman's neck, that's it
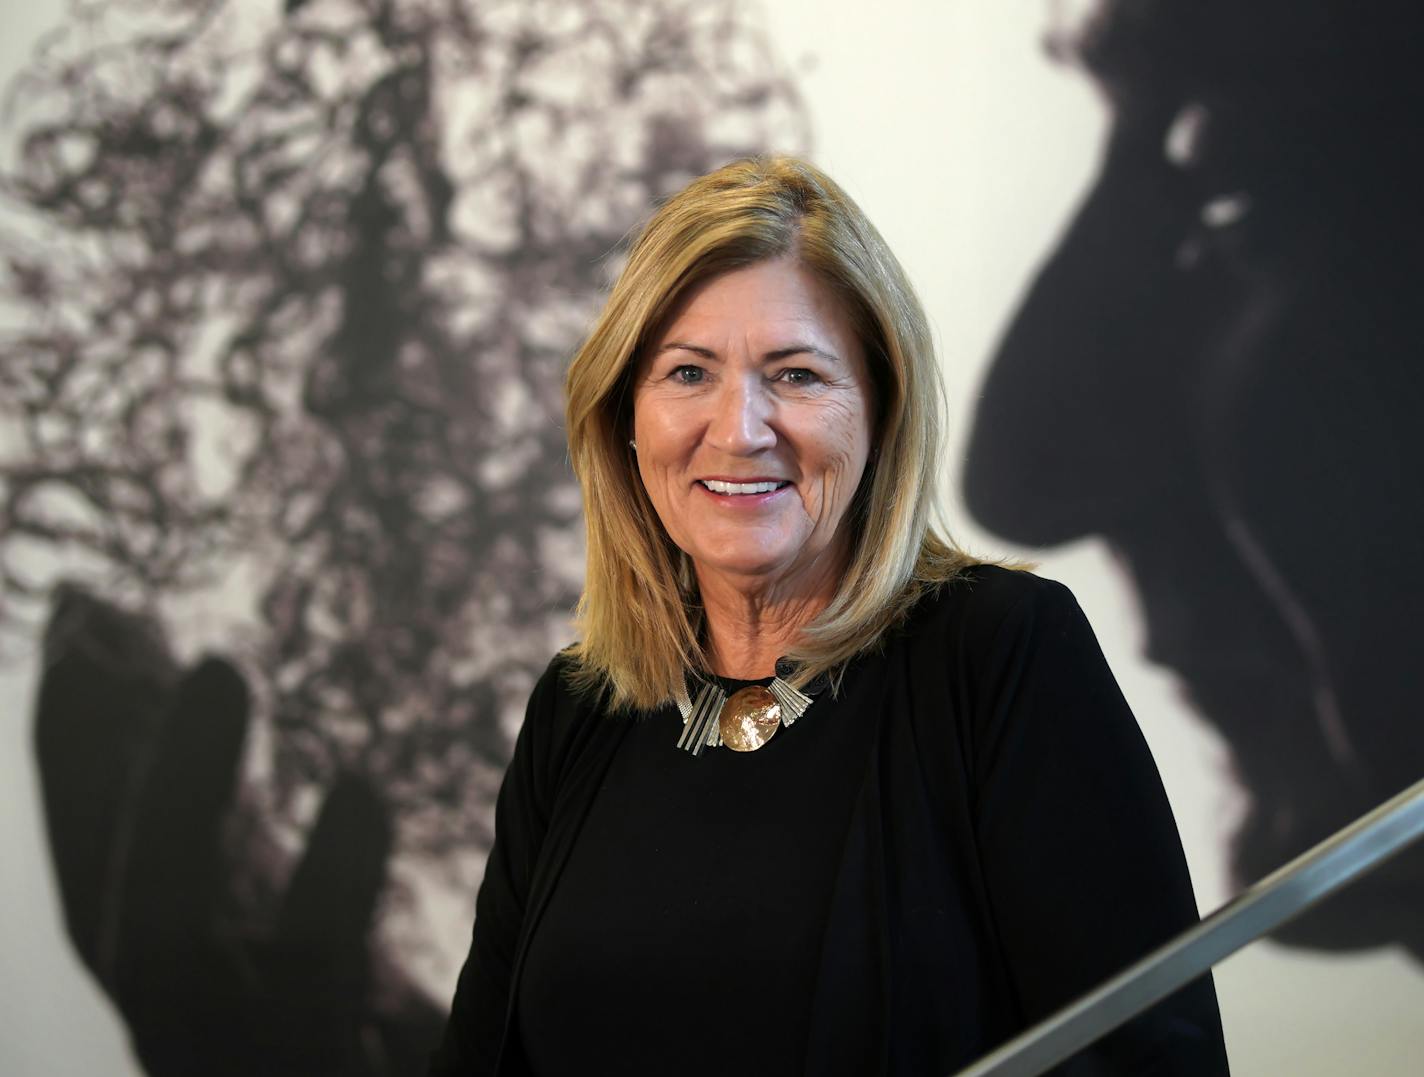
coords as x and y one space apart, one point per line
750 624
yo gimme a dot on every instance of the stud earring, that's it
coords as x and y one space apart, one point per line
632 445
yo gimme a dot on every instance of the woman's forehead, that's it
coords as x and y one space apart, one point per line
772 306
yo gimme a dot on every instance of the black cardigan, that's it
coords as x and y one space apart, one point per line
1010 848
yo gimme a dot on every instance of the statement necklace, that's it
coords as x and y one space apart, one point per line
744 722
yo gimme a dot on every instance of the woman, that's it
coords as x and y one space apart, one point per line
813 793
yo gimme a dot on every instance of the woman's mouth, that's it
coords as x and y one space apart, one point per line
718 486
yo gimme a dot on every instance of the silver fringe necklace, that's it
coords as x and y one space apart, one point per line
744 722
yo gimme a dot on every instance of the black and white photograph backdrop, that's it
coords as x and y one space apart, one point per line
287 527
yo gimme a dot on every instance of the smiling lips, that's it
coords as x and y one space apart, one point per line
717 486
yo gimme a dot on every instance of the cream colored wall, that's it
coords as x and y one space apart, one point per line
968 148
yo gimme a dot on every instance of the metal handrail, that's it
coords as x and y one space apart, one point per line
1338 860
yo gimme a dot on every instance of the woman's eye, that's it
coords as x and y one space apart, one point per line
687 375
798 376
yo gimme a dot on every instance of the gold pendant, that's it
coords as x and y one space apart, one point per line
749 719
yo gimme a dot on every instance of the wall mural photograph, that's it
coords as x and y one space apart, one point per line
288 527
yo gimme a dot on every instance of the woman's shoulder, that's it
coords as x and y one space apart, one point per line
565 697
984 602
993 591
561 692
565 719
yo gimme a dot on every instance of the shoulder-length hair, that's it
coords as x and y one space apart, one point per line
640 617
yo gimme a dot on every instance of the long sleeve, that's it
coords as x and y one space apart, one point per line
1081 859
475 1029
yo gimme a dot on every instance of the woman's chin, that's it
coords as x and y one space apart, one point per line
756 568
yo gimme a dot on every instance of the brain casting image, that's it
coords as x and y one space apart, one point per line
289 297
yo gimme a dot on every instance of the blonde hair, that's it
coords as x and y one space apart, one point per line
639 618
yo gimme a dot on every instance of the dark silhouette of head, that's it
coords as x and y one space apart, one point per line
1217 371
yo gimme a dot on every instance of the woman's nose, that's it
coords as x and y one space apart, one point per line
741 419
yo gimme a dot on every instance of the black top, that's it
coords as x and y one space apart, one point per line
696 897
970 836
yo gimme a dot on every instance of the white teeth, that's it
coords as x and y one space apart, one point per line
719 487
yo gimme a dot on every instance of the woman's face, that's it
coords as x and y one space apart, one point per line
752 417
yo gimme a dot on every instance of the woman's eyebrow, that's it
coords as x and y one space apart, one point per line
682 345
801 349
779 353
